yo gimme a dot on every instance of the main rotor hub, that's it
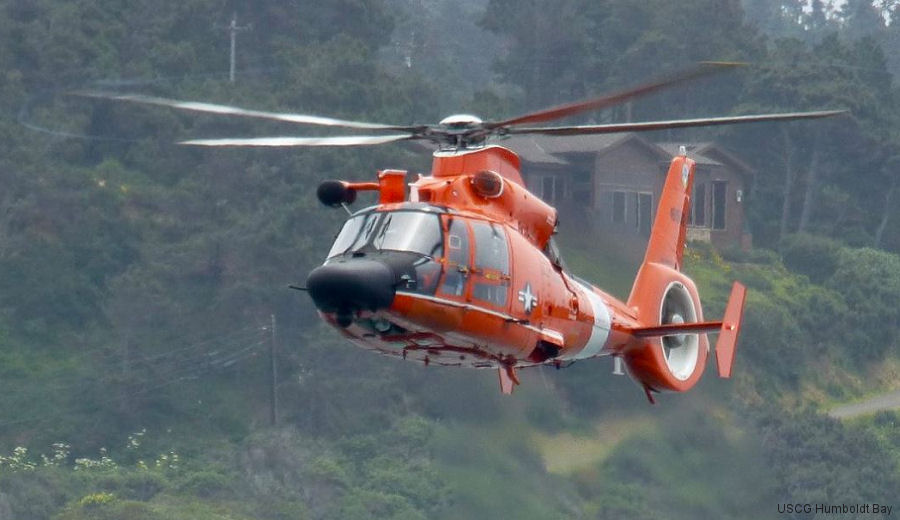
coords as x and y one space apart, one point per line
460 131
461 122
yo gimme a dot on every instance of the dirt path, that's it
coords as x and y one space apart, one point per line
886 401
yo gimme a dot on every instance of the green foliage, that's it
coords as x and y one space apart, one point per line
129 265
102 506
787 319
207 484
617 486
96 500
869 281
814 256
813 456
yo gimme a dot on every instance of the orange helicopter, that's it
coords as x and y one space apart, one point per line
461 269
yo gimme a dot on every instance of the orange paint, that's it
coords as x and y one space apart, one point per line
524 310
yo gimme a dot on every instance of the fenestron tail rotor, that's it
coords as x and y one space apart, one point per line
463 131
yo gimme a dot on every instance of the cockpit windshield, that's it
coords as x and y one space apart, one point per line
413 231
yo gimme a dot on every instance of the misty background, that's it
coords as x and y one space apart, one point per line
140 280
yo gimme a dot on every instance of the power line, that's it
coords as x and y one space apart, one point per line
182 373
226 343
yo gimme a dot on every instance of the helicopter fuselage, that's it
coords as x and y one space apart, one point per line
463 272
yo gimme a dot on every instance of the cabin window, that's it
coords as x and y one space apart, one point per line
457 256
720 188
491 264
491 251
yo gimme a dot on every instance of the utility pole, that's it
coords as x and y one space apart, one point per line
273 388
233 29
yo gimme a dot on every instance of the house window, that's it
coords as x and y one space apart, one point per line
618 206
636 205
698 206
549 188
644 213
719 189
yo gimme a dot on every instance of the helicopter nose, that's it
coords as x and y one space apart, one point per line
355 284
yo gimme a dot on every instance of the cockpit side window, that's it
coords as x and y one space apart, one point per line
355 233
412 231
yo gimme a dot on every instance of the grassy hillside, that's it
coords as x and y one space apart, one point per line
138 280
362 436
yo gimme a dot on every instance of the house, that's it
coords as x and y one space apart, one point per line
613 181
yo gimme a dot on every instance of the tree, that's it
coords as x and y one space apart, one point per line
823 158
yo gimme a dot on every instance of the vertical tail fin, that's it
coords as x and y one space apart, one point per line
670 225
666 245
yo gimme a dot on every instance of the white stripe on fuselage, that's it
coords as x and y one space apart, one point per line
599 330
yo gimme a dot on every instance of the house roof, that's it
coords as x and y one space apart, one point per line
552 149
709 153
531 150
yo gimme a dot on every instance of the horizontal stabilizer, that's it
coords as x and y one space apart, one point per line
731 326
674 329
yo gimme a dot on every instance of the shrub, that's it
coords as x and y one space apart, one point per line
207 484
869 281
96 500
814 256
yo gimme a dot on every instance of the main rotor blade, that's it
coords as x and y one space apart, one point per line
212 108
342 140
678 123
701 69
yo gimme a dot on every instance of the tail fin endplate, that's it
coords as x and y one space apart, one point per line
731 326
